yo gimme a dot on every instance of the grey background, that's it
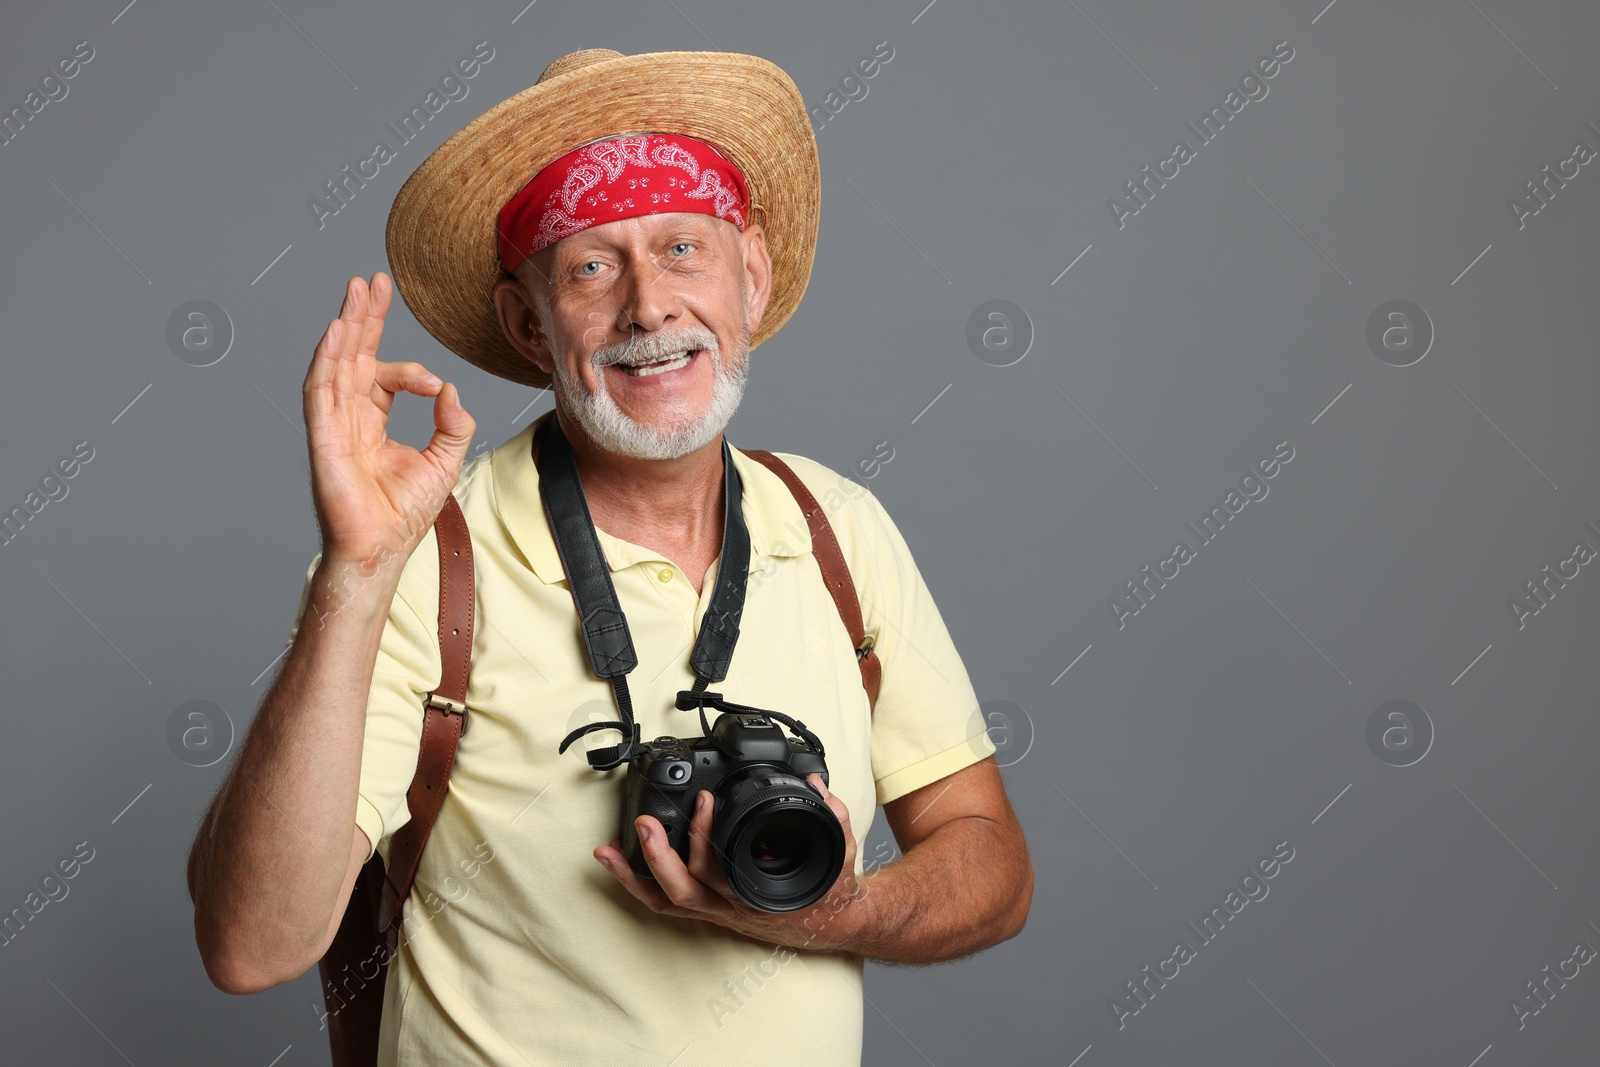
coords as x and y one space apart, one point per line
1227 316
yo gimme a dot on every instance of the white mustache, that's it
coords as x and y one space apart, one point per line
642 348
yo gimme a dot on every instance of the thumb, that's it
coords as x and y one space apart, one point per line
453 429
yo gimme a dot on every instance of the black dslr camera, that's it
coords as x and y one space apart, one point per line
777 841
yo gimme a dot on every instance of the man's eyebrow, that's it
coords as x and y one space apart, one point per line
566 258
573 253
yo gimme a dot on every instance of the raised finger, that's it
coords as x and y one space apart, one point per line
378 294
354 313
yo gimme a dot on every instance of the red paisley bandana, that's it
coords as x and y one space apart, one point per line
620 178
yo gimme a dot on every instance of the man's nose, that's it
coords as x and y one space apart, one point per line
651 301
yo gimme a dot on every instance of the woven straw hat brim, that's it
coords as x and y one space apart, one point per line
441 236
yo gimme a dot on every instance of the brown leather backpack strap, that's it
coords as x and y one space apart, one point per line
835 574
444 716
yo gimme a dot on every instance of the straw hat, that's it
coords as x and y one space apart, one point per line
441 236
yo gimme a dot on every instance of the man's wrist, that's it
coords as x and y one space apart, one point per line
358 589
842 921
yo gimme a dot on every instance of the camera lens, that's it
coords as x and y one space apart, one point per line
782 847
779 844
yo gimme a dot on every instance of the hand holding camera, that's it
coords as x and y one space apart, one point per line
729 829
778 844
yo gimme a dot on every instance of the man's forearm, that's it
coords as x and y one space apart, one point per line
272 853
959 891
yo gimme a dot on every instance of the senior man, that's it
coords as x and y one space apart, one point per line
595 232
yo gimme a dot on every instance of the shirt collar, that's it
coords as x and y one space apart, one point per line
776 523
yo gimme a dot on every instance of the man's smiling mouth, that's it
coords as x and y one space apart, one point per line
660 365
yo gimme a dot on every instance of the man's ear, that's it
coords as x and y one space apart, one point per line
519 321
758 272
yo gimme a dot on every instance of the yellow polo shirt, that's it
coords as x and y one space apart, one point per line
517 947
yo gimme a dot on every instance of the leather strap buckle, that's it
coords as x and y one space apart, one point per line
449 707
864 649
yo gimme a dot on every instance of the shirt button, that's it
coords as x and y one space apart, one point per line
665 574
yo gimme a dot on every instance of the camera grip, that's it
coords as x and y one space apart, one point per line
673 808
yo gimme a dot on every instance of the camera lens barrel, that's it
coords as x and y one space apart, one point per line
779 844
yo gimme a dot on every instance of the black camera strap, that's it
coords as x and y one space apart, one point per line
605 627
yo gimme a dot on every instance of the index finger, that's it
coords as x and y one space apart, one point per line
704 865
378 294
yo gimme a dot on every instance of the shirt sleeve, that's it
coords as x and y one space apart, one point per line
407 668
927 723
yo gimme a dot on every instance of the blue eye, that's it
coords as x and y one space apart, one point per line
683 244
587 265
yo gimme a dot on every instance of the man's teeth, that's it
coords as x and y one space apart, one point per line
665 364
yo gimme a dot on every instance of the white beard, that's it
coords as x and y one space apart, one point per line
611 429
